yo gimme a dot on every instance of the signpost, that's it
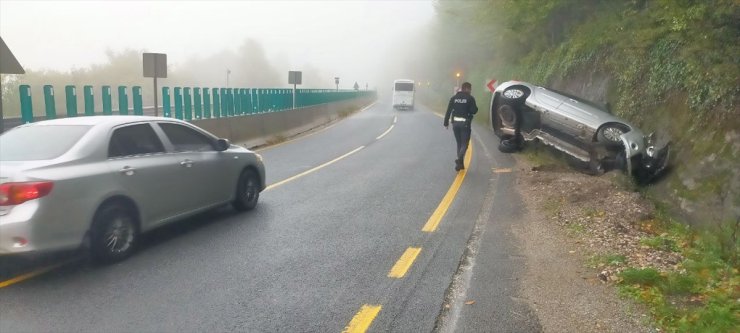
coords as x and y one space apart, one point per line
336 81
155 66
8 65
295 78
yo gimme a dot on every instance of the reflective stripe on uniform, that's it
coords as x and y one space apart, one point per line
459 119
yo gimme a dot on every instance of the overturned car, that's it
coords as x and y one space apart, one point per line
522 112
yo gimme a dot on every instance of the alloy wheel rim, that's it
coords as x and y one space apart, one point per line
119 236
250 189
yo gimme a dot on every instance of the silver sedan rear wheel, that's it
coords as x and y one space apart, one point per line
114 233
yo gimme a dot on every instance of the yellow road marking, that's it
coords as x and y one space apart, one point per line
501 170
363 319
441 210
309 134
312 169
403 264
30 275
384 133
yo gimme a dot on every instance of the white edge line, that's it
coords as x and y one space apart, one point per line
311 132
384 133
312 169
395 118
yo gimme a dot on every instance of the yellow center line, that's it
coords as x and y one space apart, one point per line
384 133
282 182
363 319
32 274
441 210
403 264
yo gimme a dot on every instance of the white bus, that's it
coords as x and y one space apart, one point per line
403 94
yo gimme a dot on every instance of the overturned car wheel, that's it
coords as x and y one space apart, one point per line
515 95
509 145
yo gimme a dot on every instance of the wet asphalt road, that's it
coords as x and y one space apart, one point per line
316 249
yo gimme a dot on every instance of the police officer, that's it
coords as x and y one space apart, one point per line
461 109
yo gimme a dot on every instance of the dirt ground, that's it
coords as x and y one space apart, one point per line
578 233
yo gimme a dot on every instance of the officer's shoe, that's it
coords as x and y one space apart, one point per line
459 165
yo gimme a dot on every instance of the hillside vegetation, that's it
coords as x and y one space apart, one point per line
670 66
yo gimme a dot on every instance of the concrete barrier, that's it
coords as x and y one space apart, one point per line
260 129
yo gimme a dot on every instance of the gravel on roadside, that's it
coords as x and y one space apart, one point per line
578 233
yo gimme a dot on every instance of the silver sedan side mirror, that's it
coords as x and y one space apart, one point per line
222 144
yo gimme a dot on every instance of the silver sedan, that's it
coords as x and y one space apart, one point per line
102 181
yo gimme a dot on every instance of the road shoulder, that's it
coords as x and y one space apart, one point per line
566 294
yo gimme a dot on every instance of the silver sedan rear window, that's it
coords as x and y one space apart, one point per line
33 143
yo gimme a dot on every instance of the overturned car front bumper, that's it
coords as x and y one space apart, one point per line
642 159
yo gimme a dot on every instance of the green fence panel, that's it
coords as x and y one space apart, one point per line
237 102
105 95
71 100
26 104
138 100
178 103
166 106
50 105
232 105
89 99
206 103
197 103
224 102
122 101
216 103
230 92
188 102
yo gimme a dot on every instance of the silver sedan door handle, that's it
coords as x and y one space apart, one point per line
187 163
127 171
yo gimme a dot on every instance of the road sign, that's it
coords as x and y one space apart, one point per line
491 84
8 63
295 77
155 65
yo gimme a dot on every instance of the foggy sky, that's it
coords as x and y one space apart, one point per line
349 39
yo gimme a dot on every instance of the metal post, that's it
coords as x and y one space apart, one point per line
156 98
107 104
71 95
206 103
89 100
178 103
26 104
166 106
122 101
49 103
138 102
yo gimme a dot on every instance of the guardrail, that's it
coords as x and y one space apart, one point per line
186 103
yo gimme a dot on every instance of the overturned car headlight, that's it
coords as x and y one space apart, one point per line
650 151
